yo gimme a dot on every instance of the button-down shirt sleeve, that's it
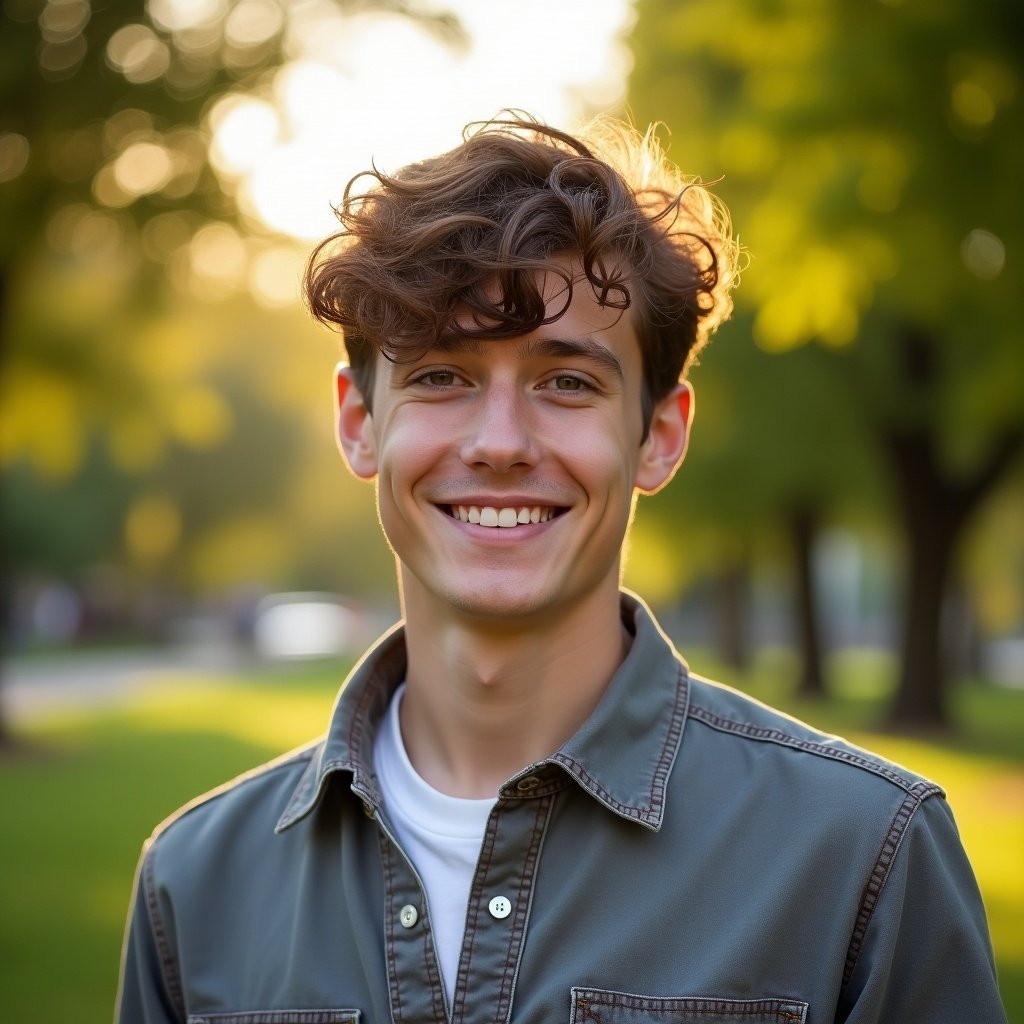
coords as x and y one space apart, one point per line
921 950
148 994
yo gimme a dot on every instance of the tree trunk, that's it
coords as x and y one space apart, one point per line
732 590
935 510
935 507
803 529
921 699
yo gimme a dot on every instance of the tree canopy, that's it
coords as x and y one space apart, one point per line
871 155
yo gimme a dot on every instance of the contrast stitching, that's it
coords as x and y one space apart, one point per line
430 967
663 765
387 862
876 881
919 788
476 892
783 1010
672 738
524 891
279 1017
357 729
168 965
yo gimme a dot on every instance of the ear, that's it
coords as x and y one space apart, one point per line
669 434
356 437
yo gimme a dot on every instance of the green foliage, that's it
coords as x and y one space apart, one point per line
871 155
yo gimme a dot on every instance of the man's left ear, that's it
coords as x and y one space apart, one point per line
669 434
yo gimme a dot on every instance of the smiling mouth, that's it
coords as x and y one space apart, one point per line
503 518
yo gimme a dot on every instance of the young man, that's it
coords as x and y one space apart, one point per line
526 808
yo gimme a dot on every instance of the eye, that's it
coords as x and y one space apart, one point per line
437 378
567 384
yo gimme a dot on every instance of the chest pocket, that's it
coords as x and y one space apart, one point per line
599 1006
279 1017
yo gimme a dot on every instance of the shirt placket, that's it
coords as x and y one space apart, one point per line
496 919
415 988
498 911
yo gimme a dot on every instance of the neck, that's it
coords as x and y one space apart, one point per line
483 699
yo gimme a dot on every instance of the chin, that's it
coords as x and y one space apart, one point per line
496 603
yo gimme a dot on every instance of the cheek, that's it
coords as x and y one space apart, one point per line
600 458
405 459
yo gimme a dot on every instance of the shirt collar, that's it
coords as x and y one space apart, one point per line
622 755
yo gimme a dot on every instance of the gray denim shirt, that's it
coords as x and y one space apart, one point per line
688 856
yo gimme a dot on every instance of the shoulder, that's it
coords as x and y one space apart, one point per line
739 723
250 803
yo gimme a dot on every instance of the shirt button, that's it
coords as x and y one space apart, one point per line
408 915
499 907
529 783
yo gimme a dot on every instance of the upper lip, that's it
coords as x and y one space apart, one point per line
504 501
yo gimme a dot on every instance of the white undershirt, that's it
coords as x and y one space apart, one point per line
440 833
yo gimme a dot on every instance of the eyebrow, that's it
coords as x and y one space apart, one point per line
557 348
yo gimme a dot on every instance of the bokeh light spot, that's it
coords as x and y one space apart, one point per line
199 417
274 276
245 131
61 60
983 254
218 260
62 20
14 154
152 529
138 53
181 15
252 22
164 234
144 167
972 103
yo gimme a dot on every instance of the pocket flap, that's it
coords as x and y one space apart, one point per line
600 1006
278 1017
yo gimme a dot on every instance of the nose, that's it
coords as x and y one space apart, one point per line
499 434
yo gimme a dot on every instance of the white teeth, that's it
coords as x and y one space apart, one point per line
504 518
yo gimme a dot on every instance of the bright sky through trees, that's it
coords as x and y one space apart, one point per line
380 87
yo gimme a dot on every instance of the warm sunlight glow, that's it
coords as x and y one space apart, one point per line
179 15
245 131
376 87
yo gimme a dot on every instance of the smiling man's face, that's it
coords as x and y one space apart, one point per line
507 469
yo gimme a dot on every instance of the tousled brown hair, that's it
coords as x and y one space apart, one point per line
468 231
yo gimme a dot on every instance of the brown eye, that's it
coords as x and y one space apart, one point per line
566 383
438 378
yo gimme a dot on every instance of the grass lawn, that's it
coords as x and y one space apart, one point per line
86 790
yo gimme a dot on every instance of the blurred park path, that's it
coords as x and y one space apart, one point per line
42 686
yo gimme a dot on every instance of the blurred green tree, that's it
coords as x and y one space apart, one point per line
103 175
108 365
871 155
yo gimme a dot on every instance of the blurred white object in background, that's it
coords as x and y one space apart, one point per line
306 625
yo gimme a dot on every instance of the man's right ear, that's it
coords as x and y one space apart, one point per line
356 437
